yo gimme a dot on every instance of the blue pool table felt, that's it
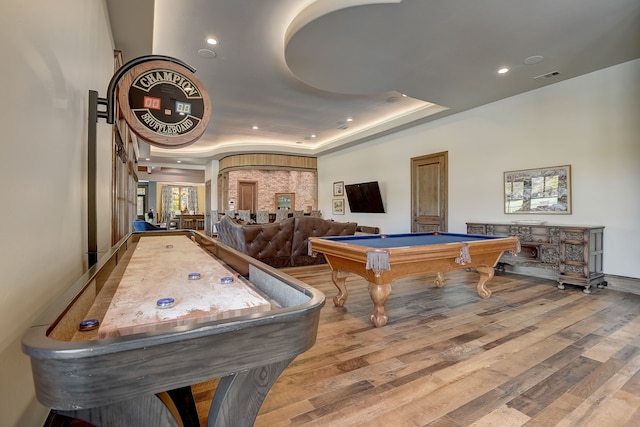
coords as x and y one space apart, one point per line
408 239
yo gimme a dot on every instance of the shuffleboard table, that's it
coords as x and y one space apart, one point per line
382 259
160 312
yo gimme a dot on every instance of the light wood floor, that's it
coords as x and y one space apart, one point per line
531 355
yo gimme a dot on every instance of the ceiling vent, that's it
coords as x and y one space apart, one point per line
547 76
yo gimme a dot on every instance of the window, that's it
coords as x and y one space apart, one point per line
176 199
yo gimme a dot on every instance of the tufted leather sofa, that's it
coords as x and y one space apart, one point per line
284 243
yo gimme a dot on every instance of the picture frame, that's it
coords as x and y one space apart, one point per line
338 206
338 188
285 201
538 191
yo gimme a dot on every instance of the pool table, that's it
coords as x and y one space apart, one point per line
382 259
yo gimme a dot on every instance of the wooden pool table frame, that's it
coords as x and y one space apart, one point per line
345 258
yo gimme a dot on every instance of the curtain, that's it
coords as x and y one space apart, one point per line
167 202
192 203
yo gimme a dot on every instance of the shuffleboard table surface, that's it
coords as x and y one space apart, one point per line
160 268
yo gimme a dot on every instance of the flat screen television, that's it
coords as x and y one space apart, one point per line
364 197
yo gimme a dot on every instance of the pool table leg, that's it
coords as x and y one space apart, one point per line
379 294
486 274
339 278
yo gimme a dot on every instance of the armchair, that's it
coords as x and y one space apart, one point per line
141 225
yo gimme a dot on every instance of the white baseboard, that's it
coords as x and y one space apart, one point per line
618 283
623 284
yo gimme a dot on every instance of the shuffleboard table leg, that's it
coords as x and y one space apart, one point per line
486 274
338 277
185 405
140 411
379 294
239 396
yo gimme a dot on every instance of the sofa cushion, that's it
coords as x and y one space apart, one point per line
284 243
308 226
270 243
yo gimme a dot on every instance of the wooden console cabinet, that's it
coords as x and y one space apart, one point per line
570 254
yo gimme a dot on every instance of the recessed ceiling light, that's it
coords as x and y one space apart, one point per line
147 159
349 119
254 127
503 70
313 136
212 41
179 161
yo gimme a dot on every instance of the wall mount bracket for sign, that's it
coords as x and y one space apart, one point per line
105 108
109 113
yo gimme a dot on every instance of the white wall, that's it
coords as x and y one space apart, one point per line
591 123
211 174
53 53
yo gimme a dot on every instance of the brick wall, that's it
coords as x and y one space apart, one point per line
269 182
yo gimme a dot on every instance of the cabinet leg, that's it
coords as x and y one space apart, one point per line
560 285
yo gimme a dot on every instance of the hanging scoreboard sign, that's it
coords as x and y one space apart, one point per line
164 103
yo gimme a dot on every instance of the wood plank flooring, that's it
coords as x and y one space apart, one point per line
531 355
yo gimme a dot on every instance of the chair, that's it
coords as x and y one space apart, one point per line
244 215
262 217
298 213
186 223
230 214
199 223
282 214
316 213
140 225
214 222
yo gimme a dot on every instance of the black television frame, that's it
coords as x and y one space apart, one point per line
364 197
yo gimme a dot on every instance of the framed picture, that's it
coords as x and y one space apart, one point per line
538 191
338 206
285 201
338 188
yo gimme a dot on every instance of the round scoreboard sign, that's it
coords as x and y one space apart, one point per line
164 103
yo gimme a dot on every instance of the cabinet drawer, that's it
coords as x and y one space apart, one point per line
574 235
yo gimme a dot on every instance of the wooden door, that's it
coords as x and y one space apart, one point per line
247 196
429 192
